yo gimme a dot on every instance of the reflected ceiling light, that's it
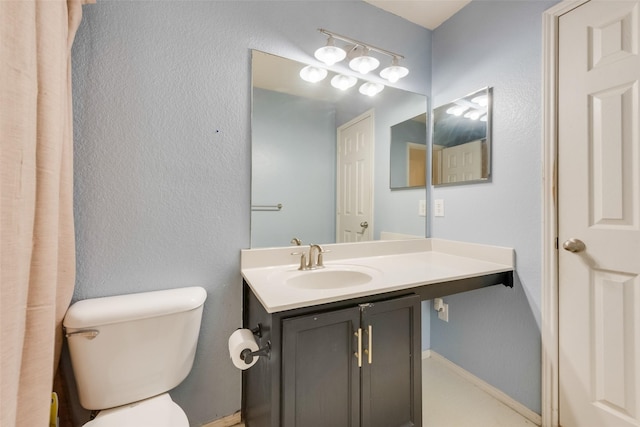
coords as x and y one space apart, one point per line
473 114
360 58
457 110
343 82
330 54
363 63
394 72
313 74
371 89
481 100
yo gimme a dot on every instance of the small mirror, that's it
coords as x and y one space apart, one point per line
408 168
462 140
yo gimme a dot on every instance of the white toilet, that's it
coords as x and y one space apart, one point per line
128 351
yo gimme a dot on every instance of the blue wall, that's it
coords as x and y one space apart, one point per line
162 108
495 332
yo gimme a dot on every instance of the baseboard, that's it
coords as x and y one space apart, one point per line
486 387
228 421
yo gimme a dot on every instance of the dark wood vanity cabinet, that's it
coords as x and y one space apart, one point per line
346 364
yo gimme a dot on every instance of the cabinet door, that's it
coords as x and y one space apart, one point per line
320 374
391 369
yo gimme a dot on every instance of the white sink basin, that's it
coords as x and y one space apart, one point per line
329 277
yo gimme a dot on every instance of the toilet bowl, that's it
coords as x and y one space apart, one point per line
128 351
158 411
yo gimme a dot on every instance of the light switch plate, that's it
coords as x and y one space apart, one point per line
422 208
438 207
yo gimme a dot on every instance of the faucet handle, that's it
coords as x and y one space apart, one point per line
320 257
303 259
296 241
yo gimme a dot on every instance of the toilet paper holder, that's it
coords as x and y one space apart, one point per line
257 331
247 355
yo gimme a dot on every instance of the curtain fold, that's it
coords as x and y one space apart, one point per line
37 244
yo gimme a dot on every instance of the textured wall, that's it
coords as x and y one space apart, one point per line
495 332
162 149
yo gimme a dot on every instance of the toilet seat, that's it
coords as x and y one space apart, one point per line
158 411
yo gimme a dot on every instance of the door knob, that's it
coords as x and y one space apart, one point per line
364 224
574 245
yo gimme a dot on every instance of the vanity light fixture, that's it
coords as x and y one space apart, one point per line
330 54
363 62
313 74
394 72
359 55
342 82
371 89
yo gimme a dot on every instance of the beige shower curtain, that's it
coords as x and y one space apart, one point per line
37 253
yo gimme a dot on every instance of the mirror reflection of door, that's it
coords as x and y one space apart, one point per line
354 216
417 160
462 140
408 155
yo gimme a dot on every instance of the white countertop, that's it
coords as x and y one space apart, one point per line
394 265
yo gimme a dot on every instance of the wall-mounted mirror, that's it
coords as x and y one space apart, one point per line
294 138
408 154
462 140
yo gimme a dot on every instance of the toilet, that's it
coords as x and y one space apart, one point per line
128 351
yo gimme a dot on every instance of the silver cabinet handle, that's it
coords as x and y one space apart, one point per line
358 354
370 348
574 245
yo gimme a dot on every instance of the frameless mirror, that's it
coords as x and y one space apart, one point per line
462 140
294 138
408 154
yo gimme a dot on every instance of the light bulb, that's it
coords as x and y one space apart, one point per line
364 63
343 82
371 89
313 74
330 54
394 72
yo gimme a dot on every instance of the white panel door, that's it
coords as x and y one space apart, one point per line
354 222
599 208
462 162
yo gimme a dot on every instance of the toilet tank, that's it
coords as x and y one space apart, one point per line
127 348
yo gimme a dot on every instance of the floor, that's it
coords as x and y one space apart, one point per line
448 400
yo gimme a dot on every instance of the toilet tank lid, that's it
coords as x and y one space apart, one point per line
122 308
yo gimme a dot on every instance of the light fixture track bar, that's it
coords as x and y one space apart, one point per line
359 43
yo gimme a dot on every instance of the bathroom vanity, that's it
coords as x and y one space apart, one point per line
344 340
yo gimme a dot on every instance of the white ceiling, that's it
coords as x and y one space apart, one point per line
426 13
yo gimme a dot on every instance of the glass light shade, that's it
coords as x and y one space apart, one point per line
343 82
364 63
330 54
313 74
371 89
394 72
